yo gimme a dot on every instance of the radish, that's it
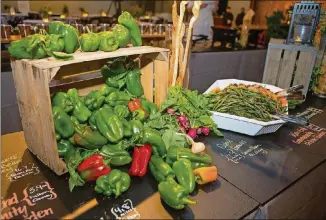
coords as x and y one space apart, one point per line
199 130
182 128
183 119
206 130
192 133
170 111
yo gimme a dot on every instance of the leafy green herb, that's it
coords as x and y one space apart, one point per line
170 138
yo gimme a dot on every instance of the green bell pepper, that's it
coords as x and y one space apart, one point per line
149 107
133 83
130 23
81 112
56 43
117 98
107 41
115 155
89 42
37 45
74 120
92 122
62 100
109 124
113 67
159 169
64 148
105 90
88 138
122 34
54 27
114 183
153 137
94 100
18 49
70 38
139 114
127 129
137 126
180 152
174 195
62 123
185 176
122 111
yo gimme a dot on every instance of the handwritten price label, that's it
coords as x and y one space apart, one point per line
23 171
125 211
39 192
8 163
308 135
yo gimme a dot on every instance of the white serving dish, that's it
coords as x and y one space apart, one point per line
241 124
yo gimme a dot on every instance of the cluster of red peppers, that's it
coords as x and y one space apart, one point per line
94 166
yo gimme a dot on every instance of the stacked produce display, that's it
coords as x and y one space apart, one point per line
114 129
63 40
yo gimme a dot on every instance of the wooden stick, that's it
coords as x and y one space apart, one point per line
81 210
195 11
175 19
175 69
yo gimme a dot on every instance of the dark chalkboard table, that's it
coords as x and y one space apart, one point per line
280 175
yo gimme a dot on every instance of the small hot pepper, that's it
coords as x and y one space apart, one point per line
140 159
174 195
93 167
184 174
205 175
114 183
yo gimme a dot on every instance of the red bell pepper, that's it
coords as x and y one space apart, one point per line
134 105
140 159
93 167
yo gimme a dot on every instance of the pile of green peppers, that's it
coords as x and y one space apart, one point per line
63 40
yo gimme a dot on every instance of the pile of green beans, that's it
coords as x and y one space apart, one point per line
245 103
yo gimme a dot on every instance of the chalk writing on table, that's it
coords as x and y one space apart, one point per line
38 192
7 164
307 135
125 211
13 207
238 151
309 113
22 171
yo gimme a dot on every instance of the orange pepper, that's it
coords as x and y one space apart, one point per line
205 174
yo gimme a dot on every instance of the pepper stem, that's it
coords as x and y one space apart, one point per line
188 201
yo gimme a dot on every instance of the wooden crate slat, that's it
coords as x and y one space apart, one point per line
161 68
287 67
89 56
48 154
303 72
147 78
272 66
279 44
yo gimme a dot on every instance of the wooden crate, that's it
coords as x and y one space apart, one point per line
35 80
287 65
